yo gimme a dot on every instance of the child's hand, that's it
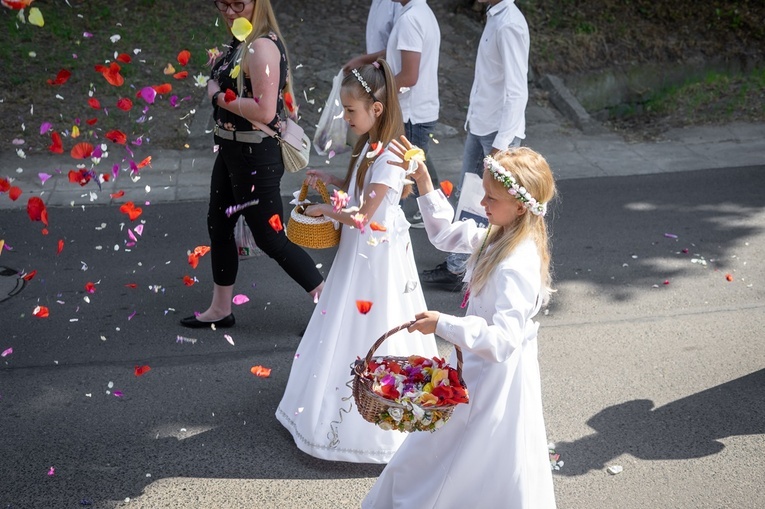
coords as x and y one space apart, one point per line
419 169
313 176
316 210
425 322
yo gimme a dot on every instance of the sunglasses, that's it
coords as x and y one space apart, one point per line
237 7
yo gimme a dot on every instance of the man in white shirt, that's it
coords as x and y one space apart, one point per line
382 15
496 118
412 53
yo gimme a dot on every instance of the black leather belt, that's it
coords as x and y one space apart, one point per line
241 136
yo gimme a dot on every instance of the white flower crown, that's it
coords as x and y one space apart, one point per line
506 178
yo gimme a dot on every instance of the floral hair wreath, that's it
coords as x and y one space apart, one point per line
501 174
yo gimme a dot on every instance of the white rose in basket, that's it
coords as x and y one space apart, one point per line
396 413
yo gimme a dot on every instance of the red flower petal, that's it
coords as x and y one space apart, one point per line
116 136
260 371
81 177
125 104
289 103
124 57
181 75
61 78
30 276
60 247
35 208
91 121
276 223
146 162
94 103
188 281
90 287
163 89
141 370
229 96
82 150
363 306
131 210
377 227
118 194
14 193
447 187
41 312
183 57
56 147
4 185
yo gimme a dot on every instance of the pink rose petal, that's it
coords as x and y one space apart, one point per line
9 351
240 299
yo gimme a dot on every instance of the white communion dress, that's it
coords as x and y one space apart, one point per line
493 452
375 266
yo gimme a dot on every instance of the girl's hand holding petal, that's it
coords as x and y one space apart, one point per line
316 210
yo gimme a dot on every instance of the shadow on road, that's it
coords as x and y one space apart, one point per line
599 225
691 427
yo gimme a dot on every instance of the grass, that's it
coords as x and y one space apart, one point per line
720 96
152 32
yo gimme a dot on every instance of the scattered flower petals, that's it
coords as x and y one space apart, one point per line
61 78
141 370
377 227
240 299
124 104
41 312
363 306
90 287
131 210
260 370
183 57
275 221
241 28
229 339
447 187
9 351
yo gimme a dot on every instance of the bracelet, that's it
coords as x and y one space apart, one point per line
215 98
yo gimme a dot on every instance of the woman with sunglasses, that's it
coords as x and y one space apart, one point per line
250 83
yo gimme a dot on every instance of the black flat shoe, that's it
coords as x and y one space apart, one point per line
441 276
192 323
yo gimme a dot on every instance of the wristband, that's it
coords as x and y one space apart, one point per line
215 98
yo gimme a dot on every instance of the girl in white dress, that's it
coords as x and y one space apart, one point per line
493 451
374 264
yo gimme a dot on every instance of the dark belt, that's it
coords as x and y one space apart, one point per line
241 136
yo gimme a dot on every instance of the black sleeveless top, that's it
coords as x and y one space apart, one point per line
221 73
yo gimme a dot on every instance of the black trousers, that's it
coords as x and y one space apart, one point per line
244 172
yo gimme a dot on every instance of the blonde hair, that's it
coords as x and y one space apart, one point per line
263 21
532 172
390 124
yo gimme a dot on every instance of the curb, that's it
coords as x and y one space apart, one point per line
565 102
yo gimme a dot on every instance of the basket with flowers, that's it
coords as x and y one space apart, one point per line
407 393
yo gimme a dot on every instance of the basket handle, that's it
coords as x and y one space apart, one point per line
304 193
362 366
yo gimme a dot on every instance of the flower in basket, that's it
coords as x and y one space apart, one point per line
422 392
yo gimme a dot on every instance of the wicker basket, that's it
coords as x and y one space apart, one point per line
308 231
373 407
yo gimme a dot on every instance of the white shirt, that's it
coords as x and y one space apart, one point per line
500 86
382 15
416 29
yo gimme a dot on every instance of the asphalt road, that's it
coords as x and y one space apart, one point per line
651 359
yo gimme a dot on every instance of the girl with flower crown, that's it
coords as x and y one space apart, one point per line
493 451
371 287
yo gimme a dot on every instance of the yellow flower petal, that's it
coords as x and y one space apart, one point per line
169 69
415 153
241 28
234 72
75 131
35 17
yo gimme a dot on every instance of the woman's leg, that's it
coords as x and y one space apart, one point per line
259 178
